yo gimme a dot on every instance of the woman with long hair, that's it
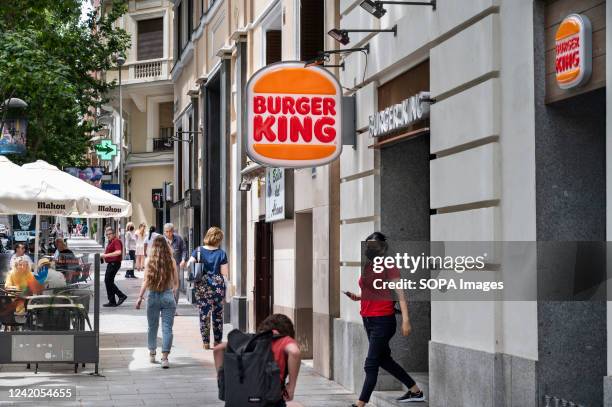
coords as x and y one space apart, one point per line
161 279
378 314
141 238
210 291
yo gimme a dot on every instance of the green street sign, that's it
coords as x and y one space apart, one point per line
106 150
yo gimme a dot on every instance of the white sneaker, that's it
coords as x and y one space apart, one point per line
152 357
165 364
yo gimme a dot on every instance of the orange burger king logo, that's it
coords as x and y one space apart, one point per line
294 116
573 51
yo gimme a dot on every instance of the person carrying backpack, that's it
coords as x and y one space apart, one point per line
261 369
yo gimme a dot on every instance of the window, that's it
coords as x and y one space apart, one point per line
189 17
273 46
150 39
178 16
179 167
312 28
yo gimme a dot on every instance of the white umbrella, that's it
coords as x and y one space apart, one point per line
92 202
22 194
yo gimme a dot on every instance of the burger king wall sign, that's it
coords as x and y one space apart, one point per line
294 116
573 51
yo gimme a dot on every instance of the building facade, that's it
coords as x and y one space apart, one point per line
498 158
493 162
220 45
147 91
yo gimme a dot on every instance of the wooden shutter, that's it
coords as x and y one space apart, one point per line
273 46
312 28
150 39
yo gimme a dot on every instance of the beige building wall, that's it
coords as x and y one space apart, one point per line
145 85
137 130
144 179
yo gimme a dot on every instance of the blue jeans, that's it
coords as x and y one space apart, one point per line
380 330
160 302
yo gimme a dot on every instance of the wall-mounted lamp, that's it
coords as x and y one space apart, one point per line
377 10
341 35
179 136
244 186
321 61
323 56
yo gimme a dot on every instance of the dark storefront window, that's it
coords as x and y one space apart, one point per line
312 30
274 50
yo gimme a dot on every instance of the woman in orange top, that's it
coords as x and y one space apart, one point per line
22 279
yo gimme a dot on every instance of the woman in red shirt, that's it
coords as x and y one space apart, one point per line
378 313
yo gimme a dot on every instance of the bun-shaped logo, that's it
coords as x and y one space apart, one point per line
573 51
294 116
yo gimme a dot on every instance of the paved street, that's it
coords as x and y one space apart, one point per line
128 379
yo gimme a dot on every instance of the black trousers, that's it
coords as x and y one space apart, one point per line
380 330
132 256
109 281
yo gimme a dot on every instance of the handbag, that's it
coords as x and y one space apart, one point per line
127 264
196 274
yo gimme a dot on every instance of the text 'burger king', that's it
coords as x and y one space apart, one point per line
294 116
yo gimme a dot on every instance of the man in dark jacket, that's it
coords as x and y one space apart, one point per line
179 250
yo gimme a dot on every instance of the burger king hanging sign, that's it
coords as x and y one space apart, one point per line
294 116
573 51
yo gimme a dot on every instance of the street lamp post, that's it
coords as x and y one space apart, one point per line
120 61
13 126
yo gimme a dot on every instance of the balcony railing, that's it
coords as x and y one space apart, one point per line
145 71
148 69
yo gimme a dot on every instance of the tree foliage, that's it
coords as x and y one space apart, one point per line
51 58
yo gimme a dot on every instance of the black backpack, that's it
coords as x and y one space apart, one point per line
250 376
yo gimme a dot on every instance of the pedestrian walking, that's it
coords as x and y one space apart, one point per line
378 314
210 290
130 245
179 251
149 239
286 353
57 231
85 229
141 239
161 280
112 257
79 229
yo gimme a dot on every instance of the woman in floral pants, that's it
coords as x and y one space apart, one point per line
210 292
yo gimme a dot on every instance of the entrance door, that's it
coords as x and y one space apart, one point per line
263 291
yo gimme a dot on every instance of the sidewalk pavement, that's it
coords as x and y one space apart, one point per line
129 379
